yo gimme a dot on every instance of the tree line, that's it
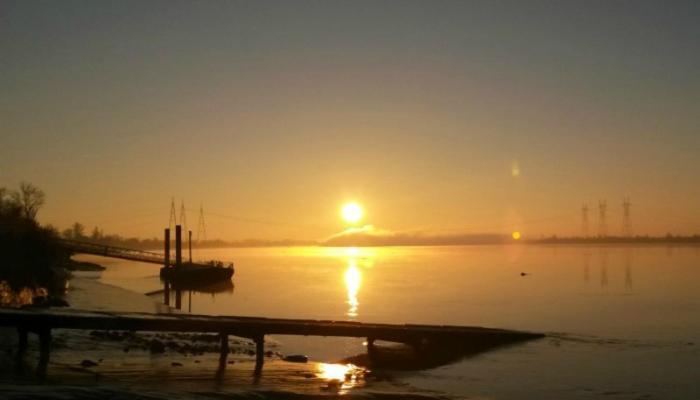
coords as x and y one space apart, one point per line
31 254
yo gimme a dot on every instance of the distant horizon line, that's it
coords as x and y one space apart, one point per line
406 241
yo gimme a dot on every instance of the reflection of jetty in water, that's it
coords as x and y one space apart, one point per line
173 293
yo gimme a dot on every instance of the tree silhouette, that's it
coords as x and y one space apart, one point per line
78 231
29 198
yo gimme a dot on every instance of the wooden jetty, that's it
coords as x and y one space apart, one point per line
79 246
194 273
97 249
42 321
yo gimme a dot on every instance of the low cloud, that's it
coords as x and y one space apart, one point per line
368 235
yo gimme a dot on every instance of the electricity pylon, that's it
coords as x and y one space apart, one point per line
602 223
183 217
626 222
201 227
173 215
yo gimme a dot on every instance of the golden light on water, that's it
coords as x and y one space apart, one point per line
347 375
352 212
353 280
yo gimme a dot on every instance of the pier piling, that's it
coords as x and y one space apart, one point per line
259 353
223 338
167 247
189 243
178 246
44 350
22 345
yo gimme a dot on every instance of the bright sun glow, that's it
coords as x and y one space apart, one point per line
516 235
351 212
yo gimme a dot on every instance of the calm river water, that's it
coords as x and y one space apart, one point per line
623 321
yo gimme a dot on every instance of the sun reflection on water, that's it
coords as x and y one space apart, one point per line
341 377
353 280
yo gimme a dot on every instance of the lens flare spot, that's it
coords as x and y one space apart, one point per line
515 169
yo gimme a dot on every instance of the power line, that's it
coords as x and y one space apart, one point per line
264 222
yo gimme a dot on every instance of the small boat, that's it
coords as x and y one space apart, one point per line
191 274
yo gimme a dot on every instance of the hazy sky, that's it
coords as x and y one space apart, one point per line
278 112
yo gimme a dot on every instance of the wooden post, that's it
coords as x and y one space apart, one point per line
44 350
167 247
420 347
166 293
189 242
259 353
223 355
371 349
223 337
178 299
22 345
178 246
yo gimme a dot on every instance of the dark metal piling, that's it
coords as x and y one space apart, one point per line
167 247
178 246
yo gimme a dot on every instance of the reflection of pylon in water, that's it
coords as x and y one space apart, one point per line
173 215
628 271
201 227
603 269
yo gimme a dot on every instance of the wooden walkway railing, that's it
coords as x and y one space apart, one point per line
114 251
42 322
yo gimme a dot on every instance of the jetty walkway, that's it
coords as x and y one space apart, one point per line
42 321
77 246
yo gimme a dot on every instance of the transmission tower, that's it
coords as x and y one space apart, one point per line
602 224
173 216
626 223
201 227
584 220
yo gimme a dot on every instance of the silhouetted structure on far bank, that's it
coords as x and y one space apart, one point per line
667 239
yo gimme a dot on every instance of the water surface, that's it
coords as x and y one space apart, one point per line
623 321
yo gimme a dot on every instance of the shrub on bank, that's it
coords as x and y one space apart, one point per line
29 254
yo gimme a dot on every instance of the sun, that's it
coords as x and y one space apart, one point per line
351 212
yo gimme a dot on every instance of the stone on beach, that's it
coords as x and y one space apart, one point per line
157 347
88 363
296 358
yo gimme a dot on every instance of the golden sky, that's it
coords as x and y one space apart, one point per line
442 117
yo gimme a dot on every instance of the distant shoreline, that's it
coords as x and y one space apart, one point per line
530 242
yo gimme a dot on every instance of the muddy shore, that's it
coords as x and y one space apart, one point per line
95 364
